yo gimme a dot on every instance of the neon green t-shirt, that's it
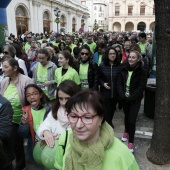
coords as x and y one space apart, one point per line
42 77
99 60
71 74
38 117
92 46
143 48
11 94
83 73
127 94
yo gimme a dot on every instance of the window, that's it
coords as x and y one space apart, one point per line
130 9
100 9
154 10
142 10
95 8
117 10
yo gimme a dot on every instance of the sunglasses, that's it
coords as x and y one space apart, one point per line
84 53
5 52
29 37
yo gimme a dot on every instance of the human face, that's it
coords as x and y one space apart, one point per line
62 61
127 45
133 59
29 38
62 46
7 69
142 40
86 133
118 50
112 55
42 58
84 54
33 96
89 40
63 98
68 40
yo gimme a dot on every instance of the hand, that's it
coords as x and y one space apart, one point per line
24 118
47 83
49 139
106 85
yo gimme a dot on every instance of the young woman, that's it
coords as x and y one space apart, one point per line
34 112
56 121
88 70
109 71
12 88
66 71
91 144
43 73
131 84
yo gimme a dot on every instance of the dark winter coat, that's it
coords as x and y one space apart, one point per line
109 74
137 83
6 114
93 74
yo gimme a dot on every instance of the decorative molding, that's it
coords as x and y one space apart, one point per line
36 2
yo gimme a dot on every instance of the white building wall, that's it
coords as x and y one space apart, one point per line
123 18
36 8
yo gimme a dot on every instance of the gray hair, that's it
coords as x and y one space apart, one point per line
10 49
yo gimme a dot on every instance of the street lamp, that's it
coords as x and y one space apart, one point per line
57 14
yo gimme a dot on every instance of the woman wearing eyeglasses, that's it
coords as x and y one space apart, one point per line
109 70
88 69
91 144
13 88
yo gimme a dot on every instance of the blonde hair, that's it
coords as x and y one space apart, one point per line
138 55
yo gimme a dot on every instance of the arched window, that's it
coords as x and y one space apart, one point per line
73 25
117 9
46 22
21 20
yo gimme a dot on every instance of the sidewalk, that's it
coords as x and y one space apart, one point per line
142 142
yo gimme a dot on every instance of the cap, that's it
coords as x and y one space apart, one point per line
57 35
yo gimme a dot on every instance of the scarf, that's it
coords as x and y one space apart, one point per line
91 155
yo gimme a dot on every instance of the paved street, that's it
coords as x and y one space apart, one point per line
142 142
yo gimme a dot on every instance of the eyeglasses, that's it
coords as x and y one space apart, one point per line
84 53
29 37
5 52
33 94
112 53
86 119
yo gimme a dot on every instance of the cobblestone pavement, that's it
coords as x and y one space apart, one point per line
142 142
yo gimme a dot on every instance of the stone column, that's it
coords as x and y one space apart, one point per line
3 22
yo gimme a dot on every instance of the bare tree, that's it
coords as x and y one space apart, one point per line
159 151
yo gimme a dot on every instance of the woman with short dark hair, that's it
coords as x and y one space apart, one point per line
91 144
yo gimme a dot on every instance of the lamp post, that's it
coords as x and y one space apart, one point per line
95 25
57 14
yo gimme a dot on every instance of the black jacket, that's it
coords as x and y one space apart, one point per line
137 83
6 113
109 74
93 74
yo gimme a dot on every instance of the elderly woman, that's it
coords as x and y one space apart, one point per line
91 145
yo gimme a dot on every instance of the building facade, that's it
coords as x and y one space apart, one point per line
99 12
38 16
128 15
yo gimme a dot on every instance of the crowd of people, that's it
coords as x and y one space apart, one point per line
60 91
